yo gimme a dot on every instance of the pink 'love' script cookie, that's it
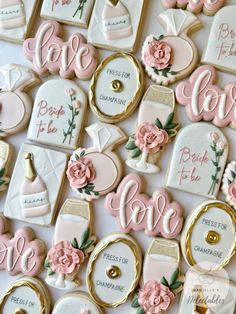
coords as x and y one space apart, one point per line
50 54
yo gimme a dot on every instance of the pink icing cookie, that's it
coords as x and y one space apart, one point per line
209 7
206 101
136 211
50 54
22 253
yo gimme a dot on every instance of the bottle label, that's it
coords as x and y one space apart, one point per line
34 200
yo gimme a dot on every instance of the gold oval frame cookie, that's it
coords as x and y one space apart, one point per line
117 86
34 284
188 234
138 263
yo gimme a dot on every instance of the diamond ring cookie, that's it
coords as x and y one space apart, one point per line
73 240
68 12
15 103
26 296
51 55
209 7
58 117
97 170
113 270
116 87
198 160
206 230
171 56
155 129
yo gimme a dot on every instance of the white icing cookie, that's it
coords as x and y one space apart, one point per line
173 55
17 18
76 303
221 48
5 159
115 24
58 114
207 230
68 12
113 270
26 296
116 87
35 185
97 170
73 238
16 105
155 128
198 160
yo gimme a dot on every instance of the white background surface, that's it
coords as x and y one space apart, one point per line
104 223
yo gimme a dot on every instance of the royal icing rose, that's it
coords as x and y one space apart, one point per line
149 138
221 145
64 259
232 191
158 55
214 136
70 91
80 173
155 298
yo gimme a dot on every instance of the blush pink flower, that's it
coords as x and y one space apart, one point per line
232 191
70 91
76 104
214 136
158 55
64 259
220 145
80 173
149 138
155 298
84 311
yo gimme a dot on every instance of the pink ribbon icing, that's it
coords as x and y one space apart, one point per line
136 211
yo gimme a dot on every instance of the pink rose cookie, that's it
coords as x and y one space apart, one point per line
16 104
17 19
57 118
229 184
220 50
68 12
155 129
206 101
209 7
134 210
49 54
73 241
115 24
22 253
198 160
95 171
171 56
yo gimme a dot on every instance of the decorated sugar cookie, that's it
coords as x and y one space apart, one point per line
51 55
77 301
201 290
72 239
206 101
209 7
26 295
134 210
16 19
115 24
198 160
97 170
155 129
173 55
69 12
221 49
5 158
35 185
161 277
208 228
16 104
229 184
58 117
113 270
116 87
21 253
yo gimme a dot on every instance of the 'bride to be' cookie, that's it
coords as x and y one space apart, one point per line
198 160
